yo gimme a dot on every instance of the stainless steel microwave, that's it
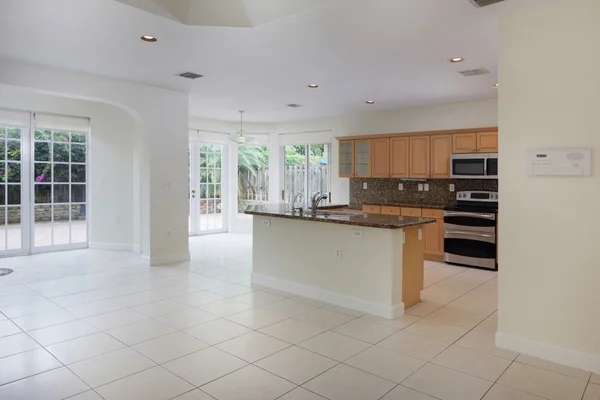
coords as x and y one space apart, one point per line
474 166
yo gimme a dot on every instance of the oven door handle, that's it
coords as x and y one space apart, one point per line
466 233
469 214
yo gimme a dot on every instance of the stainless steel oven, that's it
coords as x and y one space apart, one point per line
474 166
470 230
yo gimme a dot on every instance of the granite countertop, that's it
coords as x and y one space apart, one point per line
355 219
412 205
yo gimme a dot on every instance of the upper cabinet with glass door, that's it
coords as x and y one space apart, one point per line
362 158
346 159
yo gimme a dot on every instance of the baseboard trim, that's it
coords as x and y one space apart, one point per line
169 259
111 246
560 355
136 248
381 310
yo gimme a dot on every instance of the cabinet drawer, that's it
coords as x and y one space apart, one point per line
390 210
411 212
432 213
372 209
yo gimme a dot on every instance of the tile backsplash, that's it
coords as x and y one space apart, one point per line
386 191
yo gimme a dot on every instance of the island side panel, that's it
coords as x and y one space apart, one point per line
413 266
299 256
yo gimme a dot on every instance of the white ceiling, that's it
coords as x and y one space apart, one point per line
232 13
391 51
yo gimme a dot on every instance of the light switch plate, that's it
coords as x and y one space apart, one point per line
365 185
426 186
420 187
452 187
400 186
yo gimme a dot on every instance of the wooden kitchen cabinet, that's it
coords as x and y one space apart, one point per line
362 158
346 159
399 157
441 150
380 158
410 212
419 157
390 210
371 209
434 238
464 143
487 142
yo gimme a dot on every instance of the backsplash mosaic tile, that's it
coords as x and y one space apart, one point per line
385 191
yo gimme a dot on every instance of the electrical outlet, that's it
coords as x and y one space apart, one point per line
357 233
426 187
168 232
452 187
400 186
420 234
266 222
420 187
365 185
338 254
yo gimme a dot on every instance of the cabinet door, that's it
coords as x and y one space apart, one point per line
362 158
346 160
434 238
380 158
464 143
399 156
419 157
487 142
441 150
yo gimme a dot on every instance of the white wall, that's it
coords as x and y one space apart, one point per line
110 205
549 227
162 120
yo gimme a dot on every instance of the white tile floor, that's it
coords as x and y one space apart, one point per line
91 325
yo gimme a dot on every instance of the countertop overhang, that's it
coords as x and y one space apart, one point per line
355 219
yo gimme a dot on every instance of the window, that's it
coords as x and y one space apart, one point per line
306 170
253 176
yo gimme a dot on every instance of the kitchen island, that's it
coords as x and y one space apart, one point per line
370 263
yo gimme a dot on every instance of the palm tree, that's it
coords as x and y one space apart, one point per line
250 159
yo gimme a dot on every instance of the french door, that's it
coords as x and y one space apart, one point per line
43 183
305 171
208 211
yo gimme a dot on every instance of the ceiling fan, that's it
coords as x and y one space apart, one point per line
240 137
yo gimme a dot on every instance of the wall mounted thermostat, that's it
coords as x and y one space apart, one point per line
566 162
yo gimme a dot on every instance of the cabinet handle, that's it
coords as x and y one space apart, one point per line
473 149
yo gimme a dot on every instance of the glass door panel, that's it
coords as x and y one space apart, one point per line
11 170
206 188
59 187
306 171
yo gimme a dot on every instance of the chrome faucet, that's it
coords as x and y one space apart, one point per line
294 208
316 199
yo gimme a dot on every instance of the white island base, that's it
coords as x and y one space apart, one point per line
380 271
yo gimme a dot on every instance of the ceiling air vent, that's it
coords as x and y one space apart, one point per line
484 3
294 105
474 72
190 75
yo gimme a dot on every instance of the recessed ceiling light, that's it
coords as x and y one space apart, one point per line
455 60
496 86
313 86
148 38
370 101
